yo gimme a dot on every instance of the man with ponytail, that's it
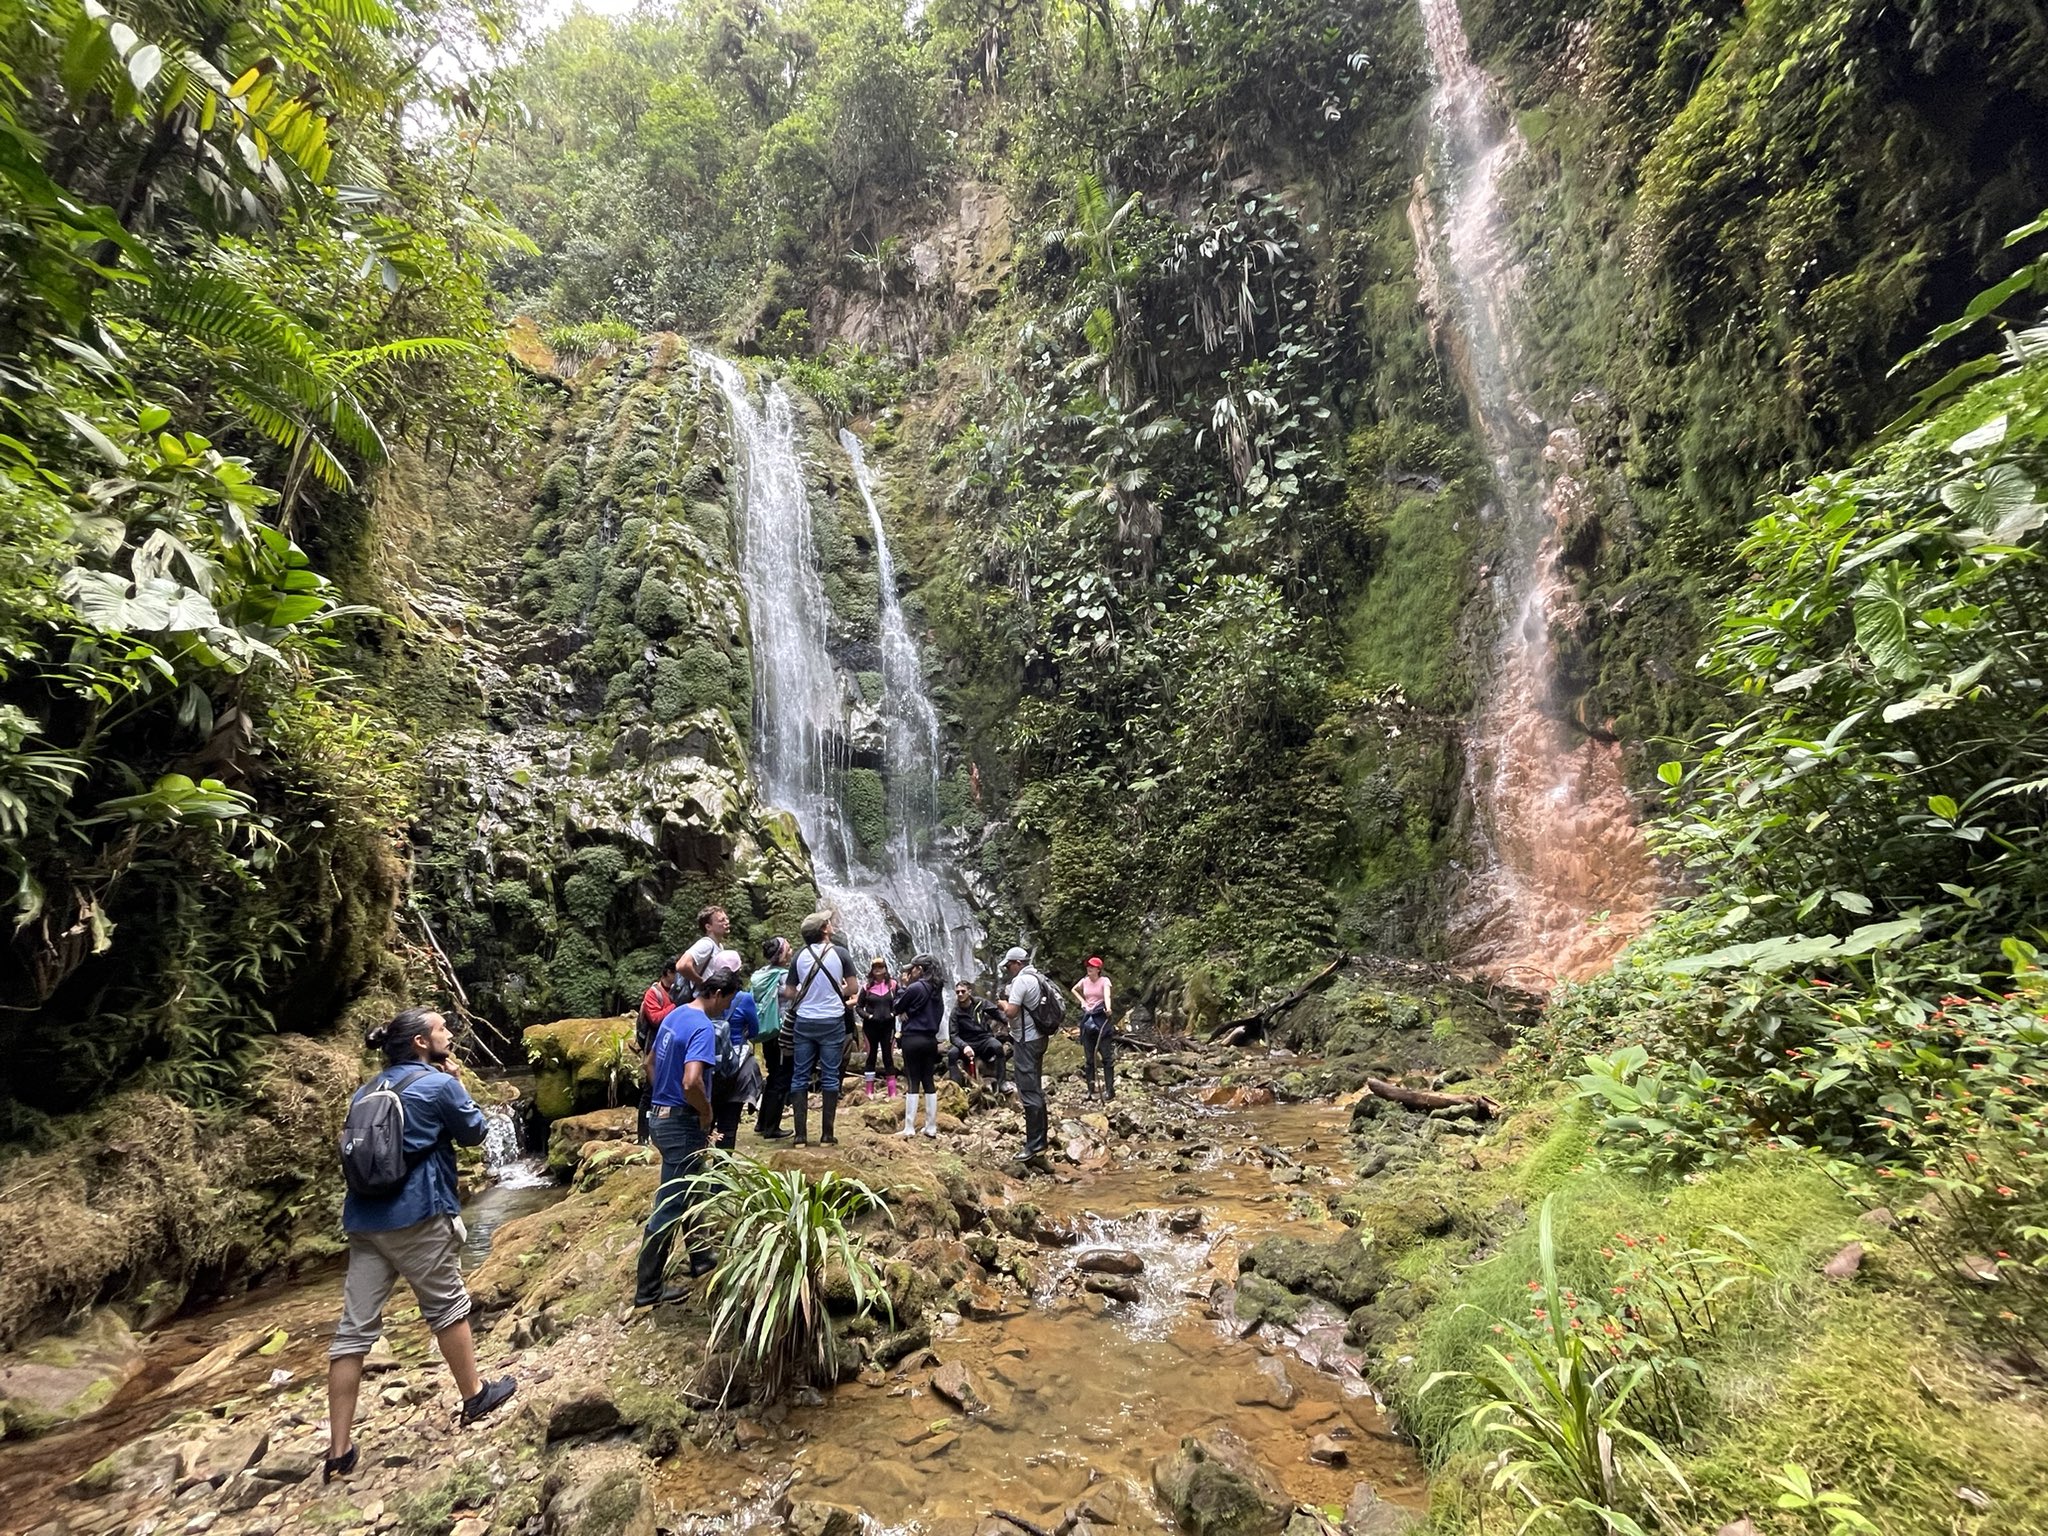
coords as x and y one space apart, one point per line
404 1219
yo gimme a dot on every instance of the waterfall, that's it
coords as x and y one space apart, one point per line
921 886
1564 879
802 701
505 1157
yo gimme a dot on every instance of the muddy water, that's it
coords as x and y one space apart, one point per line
1086 1393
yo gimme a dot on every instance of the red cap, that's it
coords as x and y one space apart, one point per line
1095 959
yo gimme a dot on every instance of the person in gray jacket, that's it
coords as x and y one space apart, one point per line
1023 997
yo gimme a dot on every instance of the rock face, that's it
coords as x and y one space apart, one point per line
581 1066
1342 1271
1214 1487
568 1138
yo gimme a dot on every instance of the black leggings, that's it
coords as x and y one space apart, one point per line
881 1035
920 1063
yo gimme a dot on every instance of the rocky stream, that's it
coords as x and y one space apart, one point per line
1175 1329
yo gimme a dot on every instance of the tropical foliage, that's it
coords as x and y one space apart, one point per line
787 1238
228 284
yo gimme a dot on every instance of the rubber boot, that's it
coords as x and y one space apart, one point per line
909 1115
892 1086
1035 1124
931 1113
799 1116
867 1083
826 1116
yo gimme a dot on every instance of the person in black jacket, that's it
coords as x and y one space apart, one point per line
921 1019
974 1026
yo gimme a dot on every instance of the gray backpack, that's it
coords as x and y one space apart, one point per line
373 1158
1051 1013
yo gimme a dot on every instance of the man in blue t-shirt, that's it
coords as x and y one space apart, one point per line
415 1234
679 1071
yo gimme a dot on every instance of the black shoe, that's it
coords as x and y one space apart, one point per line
338 1466
775 1135
673 1294
701 1264
492 1394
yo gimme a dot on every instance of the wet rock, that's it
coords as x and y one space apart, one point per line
1342 1271
1289 1175
1110 1261
892 1348
1367 1514
1213 1486
815 1517
575 1061
984 1303
1110 1502
597 1491
1258 1301
1269 1387
956 1384
1054 1232
1328 1451
1187 1219
222 1457
1115 1287
934 1447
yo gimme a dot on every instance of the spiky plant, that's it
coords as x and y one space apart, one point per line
781 1231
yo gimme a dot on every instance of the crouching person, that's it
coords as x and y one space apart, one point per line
680 1068
403 1219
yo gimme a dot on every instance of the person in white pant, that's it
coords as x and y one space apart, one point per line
921 1028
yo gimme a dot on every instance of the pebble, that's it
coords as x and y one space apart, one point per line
201 1521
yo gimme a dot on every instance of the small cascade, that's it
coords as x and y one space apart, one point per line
802 701
505 1155
1167 1285
1565 878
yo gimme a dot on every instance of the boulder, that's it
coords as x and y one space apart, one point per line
580 1408
570 1138
1269 1386
984 1303
1187 1219
1259 1300
1110 1261
67 1376
1341 1271
582 1064
1115 1287
956 1384
598 1491
1367 1514
1213 1486
1328 1451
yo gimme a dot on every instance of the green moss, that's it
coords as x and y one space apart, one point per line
867 807
431 1512
701 678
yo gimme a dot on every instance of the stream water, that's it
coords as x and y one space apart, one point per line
804 701
1566 879
1084 1396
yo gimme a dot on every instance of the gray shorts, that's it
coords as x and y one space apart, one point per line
427 1255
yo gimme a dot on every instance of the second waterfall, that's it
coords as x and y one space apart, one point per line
898 885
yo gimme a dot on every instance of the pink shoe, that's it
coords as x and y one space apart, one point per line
892 1088
868 1086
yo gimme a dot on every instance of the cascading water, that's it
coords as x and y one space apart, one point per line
1566 879
919 886
802 701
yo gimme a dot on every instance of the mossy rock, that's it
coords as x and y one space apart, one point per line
1214 1486
581 1064
567 1137
66 1376
1343 1271
1260 1301
867 806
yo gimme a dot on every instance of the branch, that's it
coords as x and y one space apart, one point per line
1419 1098
1265 1016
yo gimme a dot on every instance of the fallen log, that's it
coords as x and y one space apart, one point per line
1422 1098
1255 1023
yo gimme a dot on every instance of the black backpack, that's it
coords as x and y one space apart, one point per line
1051 1013
373 1157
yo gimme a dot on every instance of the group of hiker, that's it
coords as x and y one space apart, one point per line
716 1041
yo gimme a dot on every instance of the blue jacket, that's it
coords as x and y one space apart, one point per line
686 1035
439 1117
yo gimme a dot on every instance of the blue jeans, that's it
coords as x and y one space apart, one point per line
681 1139
820 1050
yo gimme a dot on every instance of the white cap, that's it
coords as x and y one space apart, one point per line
1016 957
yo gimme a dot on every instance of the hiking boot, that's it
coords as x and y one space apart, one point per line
800 1115
332 1467
492 1394
827 1117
